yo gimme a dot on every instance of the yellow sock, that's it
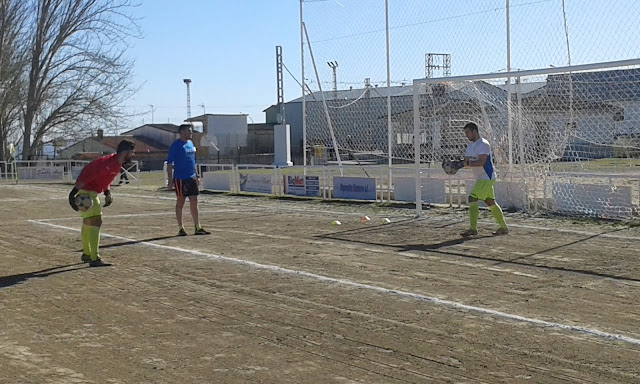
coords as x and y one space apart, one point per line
496 211
94 237
474 212
86 243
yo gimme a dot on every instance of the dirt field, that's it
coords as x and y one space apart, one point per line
278 295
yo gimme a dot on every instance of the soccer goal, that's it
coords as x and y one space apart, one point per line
565 140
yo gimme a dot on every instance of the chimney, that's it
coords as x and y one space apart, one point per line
100 134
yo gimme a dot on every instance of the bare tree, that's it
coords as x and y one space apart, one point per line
77 71
13 64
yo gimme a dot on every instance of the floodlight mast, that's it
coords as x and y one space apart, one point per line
334 66
188 83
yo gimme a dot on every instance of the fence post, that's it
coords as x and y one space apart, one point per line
459 190
236 175
381 184
389 183
275 179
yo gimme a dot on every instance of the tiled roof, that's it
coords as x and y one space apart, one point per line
143 144
165 127
356 93
87 155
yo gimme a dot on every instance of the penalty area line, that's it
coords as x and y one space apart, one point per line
147 214
373 288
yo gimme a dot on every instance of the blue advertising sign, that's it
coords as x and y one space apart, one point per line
358 188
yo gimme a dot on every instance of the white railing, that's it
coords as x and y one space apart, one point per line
54 171
613 195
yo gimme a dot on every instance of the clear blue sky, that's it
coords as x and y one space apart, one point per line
227 47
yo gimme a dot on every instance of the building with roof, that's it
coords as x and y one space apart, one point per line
355 113
566 117
228 138
150 154
160 133
606 107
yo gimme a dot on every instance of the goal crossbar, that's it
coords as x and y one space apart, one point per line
530 72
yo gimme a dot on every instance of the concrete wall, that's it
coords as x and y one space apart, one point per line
221 127
293 117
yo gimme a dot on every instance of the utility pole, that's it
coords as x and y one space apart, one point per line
367 86
152 110
280 84
188 83
334 66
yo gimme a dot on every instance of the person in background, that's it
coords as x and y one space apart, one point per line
183 177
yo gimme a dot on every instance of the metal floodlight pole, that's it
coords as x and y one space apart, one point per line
304 98
280 85
188 83
334 66
508 83
389 125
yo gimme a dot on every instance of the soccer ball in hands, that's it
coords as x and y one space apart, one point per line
450 167
83 202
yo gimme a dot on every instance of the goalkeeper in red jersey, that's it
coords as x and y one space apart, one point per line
95 178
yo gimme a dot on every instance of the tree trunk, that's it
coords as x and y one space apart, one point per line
34 76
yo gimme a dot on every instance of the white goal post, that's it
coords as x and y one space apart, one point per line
551 130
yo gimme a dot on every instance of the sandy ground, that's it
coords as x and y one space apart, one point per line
279 295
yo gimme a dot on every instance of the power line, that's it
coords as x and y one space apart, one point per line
430 21
294 78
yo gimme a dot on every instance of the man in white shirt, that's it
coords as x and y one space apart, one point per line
478 157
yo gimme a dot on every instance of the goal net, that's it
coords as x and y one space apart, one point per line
563 139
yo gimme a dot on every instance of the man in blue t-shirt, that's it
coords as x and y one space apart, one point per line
182 175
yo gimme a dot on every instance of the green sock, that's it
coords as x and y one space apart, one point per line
198 227
496 211
474 212
86 243
94 236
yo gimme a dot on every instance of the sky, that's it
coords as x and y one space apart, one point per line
227 47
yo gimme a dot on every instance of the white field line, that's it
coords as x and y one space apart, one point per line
17 200
349 283
561 230
576 232
320 242
127 215
376 250
258 207
437 218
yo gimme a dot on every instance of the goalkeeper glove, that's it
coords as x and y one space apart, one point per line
72 199
107 198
